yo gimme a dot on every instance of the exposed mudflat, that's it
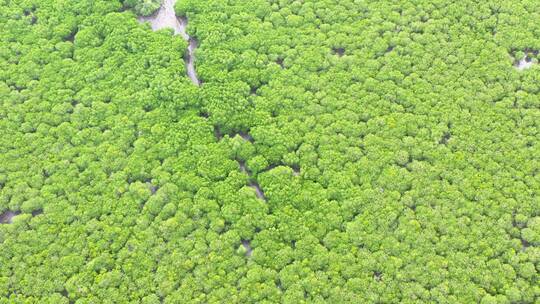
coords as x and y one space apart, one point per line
258 191
524 64
166 17
252 184
247 246
7 217
243 168
190 58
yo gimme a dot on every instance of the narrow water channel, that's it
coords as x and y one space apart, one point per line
524 63
166 17
247 246
252 184
7 217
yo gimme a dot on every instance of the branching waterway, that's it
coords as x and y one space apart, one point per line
166 17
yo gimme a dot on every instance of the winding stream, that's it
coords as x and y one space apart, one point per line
166 17
252 184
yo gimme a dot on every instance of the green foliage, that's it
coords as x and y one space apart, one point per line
394 143
143 7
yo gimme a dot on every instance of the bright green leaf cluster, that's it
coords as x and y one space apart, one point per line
143 7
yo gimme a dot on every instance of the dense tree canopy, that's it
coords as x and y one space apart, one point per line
143 7
337 151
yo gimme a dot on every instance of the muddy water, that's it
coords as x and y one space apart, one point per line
524 64
247 246
252 184
165 17
243 168
246 137
190 60
7 217
258 191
